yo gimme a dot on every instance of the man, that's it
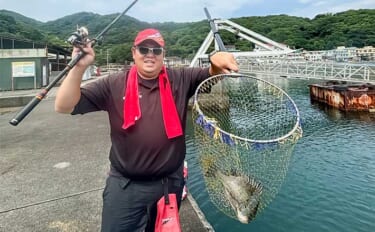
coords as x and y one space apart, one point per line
147 108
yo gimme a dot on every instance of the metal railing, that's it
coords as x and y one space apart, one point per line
353 72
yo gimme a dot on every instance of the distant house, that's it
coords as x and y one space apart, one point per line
366 53
342 53
175 61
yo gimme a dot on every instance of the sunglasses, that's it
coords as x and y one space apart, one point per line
146 50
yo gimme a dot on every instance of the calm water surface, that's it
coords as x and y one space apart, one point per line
330 184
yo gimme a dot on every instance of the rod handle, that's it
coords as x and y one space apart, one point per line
26 110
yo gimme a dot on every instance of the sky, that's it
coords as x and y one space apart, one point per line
181 10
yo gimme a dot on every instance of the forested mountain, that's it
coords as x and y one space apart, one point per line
15 25
325 31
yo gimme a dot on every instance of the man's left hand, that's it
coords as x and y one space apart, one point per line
223 62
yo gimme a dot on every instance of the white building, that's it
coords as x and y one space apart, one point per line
366 53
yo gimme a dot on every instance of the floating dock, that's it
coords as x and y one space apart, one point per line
345 96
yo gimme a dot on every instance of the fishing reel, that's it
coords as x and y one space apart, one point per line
79 38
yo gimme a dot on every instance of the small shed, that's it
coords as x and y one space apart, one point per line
23 68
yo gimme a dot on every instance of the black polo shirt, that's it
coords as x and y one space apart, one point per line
142 151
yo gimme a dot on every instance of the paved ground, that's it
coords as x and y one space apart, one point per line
53 168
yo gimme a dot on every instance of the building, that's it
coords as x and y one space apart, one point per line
342 54
314 55
175 61
23 68
25 64
366 53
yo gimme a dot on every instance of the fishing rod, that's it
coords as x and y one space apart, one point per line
216 34
77 39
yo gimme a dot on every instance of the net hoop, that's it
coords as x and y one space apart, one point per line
296 128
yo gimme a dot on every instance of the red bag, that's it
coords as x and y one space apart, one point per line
167 219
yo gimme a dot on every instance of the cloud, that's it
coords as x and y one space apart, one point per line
181 10
184 10
145 10
331 6
305 1
361 4
320 3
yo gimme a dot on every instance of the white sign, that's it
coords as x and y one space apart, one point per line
23 69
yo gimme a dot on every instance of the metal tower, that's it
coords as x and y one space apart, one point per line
265 46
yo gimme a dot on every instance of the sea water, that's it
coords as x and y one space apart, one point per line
330 183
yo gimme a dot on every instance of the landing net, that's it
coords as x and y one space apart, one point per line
244 126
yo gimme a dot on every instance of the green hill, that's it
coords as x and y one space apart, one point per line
326 31
16 25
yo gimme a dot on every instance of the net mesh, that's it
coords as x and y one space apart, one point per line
244 126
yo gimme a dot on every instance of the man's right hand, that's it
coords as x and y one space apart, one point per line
69 91
87 59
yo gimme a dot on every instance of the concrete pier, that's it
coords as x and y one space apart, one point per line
53 169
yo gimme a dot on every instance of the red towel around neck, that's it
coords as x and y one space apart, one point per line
132 110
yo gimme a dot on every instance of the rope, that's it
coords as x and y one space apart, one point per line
51 200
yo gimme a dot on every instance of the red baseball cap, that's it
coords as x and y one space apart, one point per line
149 34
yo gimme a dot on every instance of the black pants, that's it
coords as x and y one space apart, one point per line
130 206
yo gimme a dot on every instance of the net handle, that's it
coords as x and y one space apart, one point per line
215 32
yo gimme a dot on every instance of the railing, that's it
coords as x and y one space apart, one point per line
353 72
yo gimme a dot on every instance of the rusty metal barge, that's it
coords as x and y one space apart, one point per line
345 96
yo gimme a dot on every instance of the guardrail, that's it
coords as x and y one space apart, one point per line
354 72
